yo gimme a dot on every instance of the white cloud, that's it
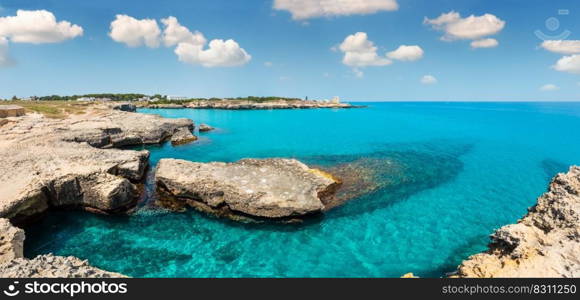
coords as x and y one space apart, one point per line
406 53
562 46
485 43
190 45
570 64
360 52
175 33
470 28
268 64
135 33
219 54
358 73
428 79
5 59
37 27
306 9
549 88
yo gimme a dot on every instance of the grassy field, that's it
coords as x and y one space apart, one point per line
52 109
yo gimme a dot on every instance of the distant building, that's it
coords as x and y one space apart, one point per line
92 99
335 100
176 98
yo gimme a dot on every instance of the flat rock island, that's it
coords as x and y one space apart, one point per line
268 188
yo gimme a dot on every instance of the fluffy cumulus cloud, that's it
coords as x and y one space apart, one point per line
485 43
219 54
406 53
307 9
135 33
175 33
360 52
37 27
562 46
476 28
569 64
190 47
428 79
549 87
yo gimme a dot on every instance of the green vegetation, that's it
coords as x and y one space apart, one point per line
113 97
161 98
52 109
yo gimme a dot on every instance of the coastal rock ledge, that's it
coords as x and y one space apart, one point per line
14 265
247 189
544 243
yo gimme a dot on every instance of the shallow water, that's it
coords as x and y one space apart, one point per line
447 175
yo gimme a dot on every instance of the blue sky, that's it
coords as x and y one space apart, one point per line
298 57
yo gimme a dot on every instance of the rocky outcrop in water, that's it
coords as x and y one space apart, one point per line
544 243
67 162
62 163
269 188
252 105
183 136
205 128
14 265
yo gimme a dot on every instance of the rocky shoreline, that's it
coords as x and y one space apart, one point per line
71 163
250 105
76 163
544 243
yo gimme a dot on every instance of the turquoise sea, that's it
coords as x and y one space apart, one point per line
455 173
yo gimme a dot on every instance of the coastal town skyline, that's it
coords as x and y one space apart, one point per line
448 51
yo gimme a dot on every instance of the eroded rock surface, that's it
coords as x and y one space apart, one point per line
252 105
544 243
14 265
183 136
205 128
47 162
269 188
7 111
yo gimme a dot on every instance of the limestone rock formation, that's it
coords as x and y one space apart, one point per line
11 111
183 136
544 243
11 242
269 188
252 105
50 266
205 128
47 162
14 265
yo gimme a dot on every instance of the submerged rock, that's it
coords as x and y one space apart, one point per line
269 188
205 128
544 243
